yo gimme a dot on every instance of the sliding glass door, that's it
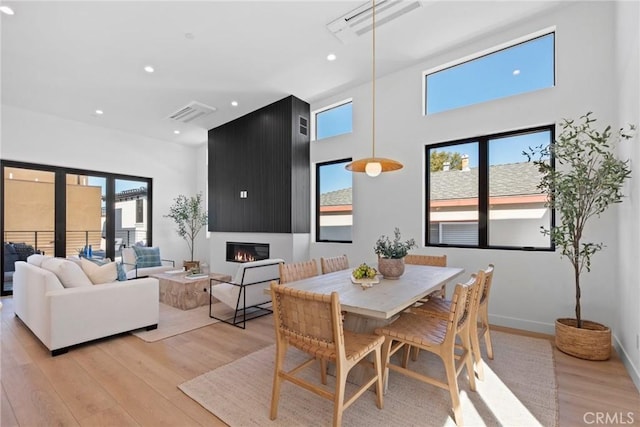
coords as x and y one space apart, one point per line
63 212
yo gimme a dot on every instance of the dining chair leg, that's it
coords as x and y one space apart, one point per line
475 351
484 318
452 380
338 401
323 371
377 365
468 359
386 349
281 351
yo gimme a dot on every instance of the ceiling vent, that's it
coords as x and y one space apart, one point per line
358 22
192 111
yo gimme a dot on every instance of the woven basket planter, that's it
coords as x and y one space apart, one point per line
591 342
391 268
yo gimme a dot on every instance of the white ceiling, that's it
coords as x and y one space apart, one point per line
69 58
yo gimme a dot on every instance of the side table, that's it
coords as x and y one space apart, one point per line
181 292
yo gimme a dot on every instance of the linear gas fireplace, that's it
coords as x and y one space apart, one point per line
246 252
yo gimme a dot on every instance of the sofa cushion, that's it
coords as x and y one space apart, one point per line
147 257
37 259
99 274
69 273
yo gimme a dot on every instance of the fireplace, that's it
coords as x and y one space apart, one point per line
246 252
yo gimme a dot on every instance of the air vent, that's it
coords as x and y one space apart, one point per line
304 125
358 22
193 111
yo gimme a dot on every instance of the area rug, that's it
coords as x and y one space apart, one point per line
519 389
174 321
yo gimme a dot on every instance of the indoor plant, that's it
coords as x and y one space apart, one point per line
589 178
190 217
391 254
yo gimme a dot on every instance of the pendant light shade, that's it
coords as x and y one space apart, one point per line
373 166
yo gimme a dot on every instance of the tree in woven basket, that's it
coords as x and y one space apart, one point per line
588 179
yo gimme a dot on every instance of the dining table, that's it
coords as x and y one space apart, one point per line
367 308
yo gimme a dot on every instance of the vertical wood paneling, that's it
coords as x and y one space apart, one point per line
260 153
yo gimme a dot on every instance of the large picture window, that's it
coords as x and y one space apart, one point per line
334 217
520 68
333 120
482 192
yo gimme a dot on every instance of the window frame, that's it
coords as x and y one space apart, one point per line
314 121
483 189
318 166
483 53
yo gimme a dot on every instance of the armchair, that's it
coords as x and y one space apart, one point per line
141 261
246 294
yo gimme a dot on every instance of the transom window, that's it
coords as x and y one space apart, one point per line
336 119
521 68
334 207
482 192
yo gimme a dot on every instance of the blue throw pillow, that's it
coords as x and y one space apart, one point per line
147 257
122 275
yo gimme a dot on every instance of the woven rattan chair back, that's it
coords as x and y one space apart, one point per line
312 323
290 272
433 260
336 263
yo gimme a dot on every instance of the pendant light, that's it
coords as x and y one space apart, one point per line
373 166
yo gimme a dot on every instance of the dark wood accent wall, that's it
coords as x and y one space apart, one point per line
265 154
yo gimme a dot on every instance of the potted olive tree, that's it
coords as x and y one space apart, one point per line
190 217
391 254
587 180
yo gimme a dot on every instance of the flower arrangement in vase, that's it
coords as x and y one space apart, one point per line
391 254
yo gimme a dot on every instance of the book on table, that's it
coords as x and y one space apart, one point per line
196 276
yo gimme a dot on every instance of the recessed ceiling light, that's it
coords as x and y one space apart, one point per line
99 112
149 69
189 36
331 57
177 132
234 103
516 72
6 10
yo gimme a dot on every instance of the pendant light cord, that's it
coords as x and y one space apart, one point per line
373 82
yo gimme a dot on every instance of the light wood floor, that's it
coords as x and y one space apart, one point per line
124 381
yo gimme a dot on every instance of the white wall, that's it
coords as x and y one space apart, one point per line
531 289
628 290
33 137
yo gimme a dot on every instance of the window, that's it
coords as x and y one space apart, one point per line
334 120
482 192
517 69
334 218
139 210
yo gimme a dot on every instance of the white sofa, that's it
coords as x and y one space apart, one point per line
131 268
62 317
246 292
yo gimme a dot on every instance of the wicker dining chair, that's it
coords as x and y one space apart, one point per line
438 336
312 323
290 272
478 329
432 260
336 263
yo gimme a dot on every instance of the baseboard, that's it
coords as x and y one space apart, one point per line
626 360
527 325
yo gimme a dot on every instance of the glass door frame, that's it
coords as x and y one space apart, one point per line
60 222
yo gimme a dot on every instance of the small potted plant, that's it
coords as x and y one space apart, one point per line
589 179
190 217
391 254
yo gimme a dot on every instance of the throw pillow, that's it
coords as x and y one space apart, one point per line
147 257
99 274
69 273
37 259
122 275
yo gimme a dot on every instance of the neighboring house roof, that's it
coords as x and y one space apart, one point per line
514 179
336 198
